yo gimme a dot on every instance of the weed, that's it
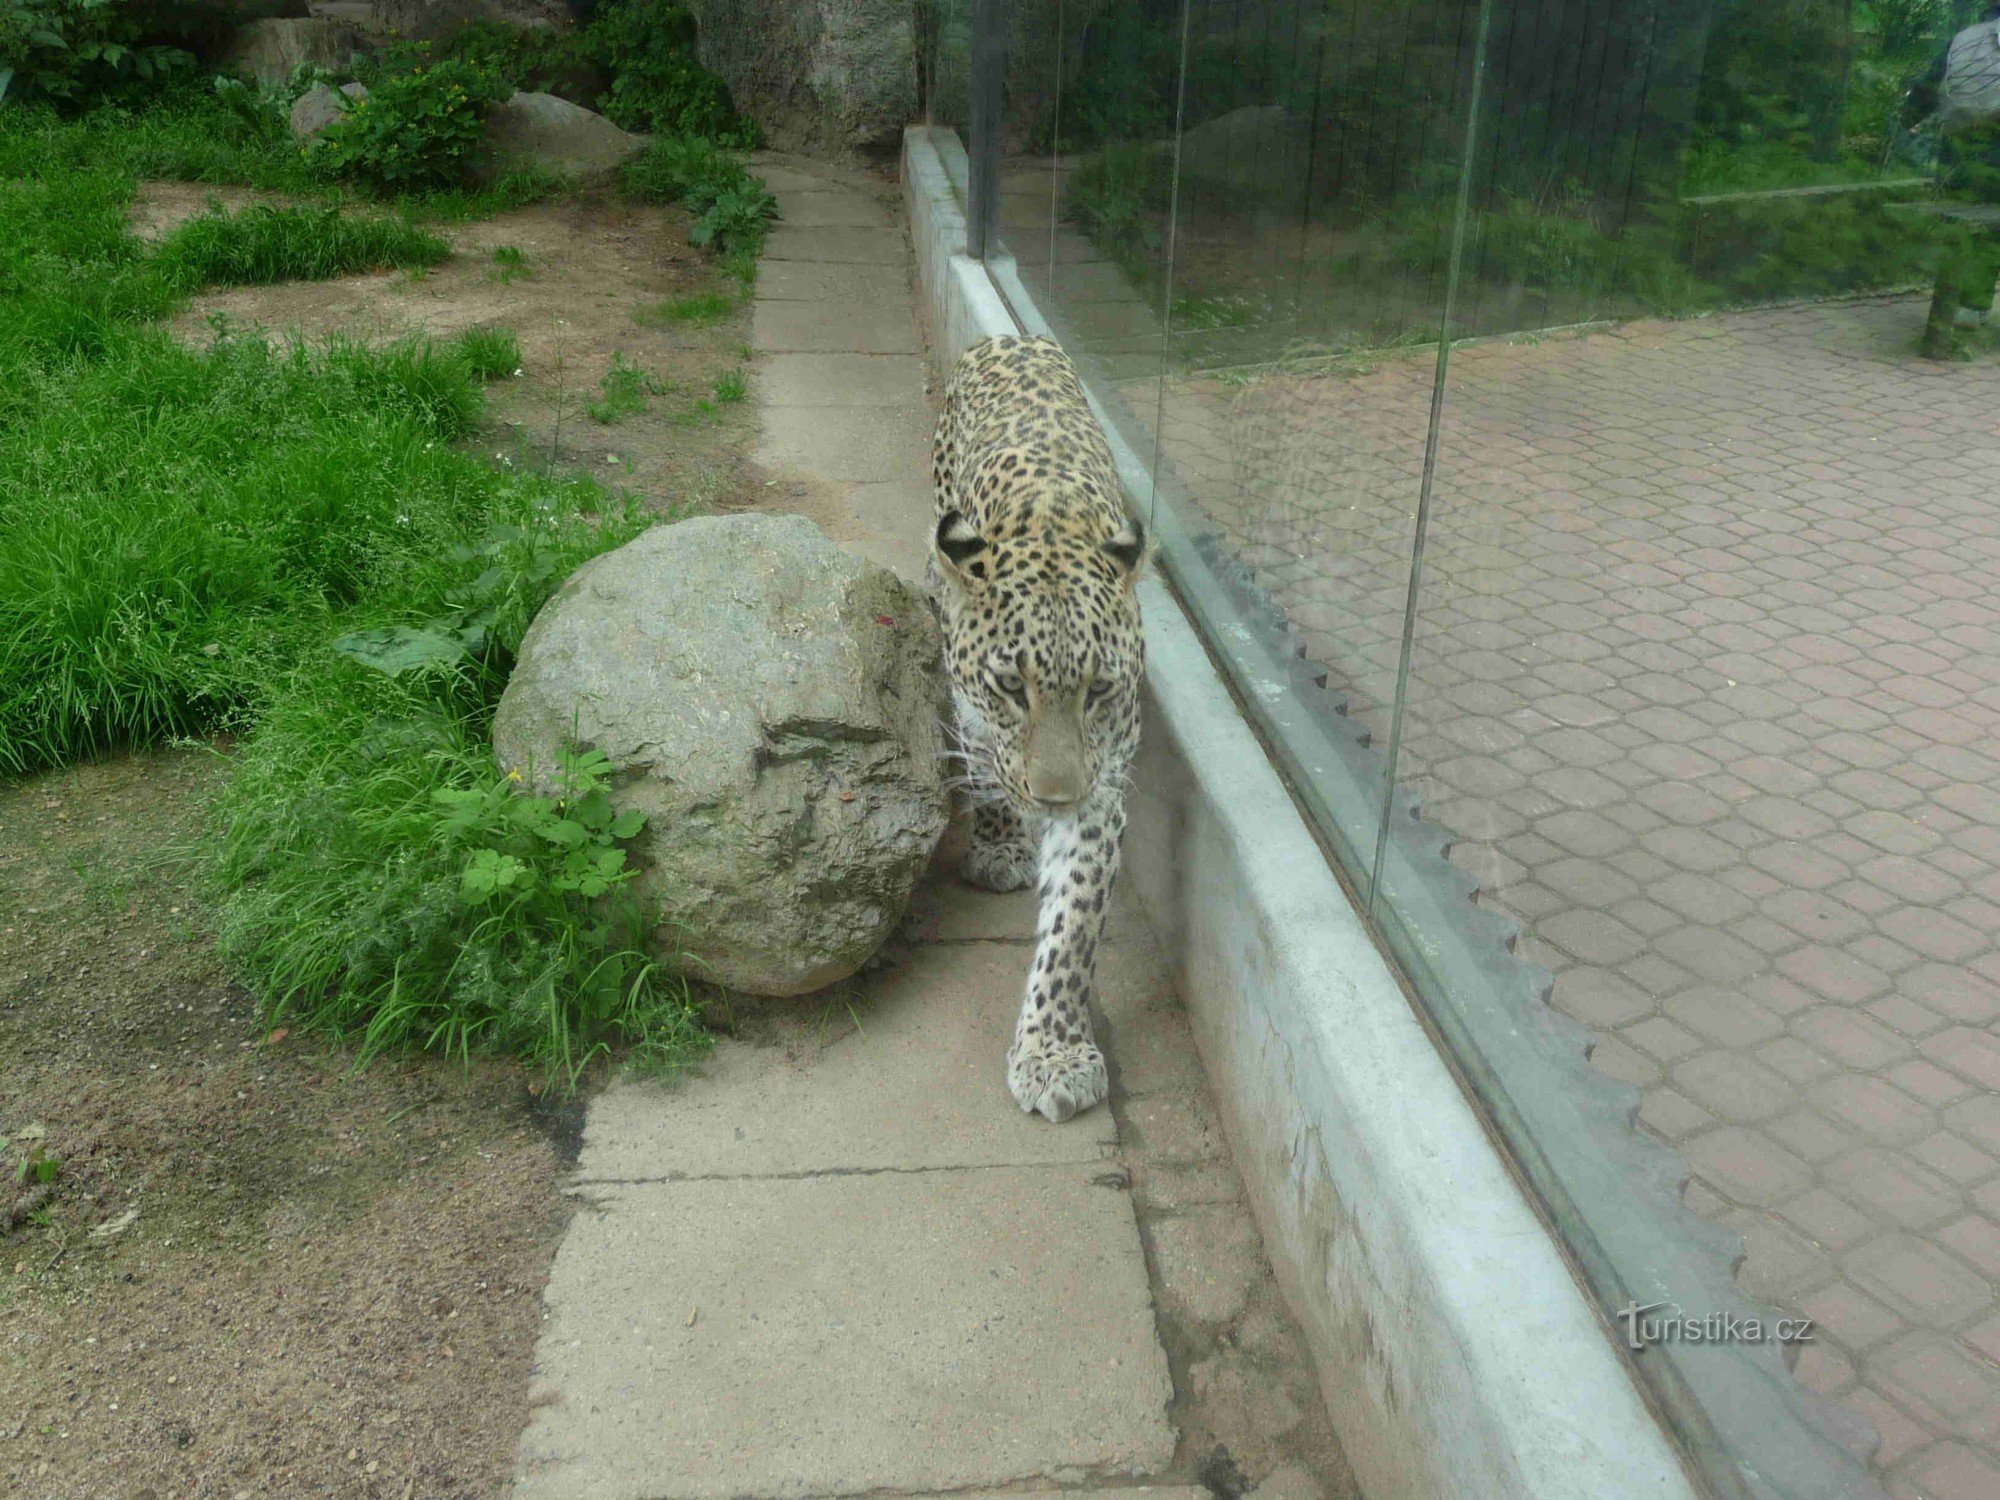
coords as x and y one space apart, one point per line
731 209
731 388
625 388
490 353
696 309
509 261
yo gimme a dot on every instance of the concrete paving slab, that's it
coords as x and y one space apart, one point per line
828 205
839 245
924 1331
840 380
797 175
933 1034
851 327
896 517
809 281
847 443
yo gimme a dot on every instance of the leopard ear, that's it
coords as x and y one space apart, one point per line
1128 548
957 542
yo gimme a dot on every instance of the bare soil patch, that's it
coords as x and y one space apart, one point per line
326 1281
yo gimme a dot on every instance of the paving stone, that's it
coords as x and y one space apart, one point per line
904 1331
1209 1259
818 208
795 1106
809 281
842 380
856 327
1917 1280
860 443
838 245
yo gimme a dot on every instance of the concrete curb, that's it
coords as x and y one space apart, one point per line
1457 1352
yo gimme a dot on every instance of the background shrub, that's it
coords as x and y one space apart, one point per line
731 209
657 85
72 51
416 129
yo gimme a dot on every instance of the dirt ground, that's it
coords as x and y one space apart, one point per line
255 1271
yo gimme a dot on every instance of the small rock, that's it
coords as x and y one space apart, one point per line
314 110
355 91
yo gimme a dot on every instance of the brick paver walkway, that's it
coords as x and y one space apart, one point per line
1707 686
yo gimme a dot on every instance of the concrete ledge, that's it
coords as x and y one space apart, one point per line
1458 1355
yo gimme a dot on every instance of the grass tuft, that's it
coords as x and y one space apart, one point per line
262 244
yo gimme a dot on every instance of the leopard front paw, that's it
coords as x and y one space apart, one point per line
1057 1080
998 867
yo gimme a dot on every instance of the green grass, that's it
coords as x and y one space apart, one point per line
262 244
291 543
492 353
731 388
624 389
694 310
510 261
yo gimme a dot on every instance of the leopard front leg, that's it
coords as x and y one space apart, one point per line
1054 1066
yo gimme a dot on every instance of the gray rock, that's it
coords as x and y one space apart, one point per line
424 19
839 72
355 91
268 51
774 706
315 109
1254 153
542 130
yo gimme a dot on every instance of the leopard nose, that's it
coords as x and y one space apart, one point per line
1054 788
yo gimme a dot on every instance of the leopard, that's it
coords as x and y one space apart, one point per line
1034 570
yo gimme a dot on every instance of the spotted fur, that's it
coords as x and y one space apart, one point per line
1034 561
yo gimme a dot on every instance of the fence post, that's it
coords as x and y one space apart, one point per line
989 63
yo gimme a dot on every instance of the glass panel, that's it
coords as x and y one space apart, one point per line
1192 199
1707 667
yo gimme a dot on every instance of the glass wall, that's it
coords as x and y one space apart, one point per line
1572 420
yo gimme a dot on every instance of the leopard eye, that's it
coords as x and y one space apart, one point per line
1099 688
1012 686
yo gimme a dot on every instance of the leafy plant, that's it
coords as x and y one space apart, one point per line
731 388
625 387
731 209
416 129
657 85
70 51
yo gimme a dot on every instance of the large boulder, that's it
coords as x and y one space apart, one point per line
838 73
774 706
268 51
528 129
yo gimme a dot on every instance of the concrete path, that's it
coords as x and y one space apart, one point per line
840 1260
